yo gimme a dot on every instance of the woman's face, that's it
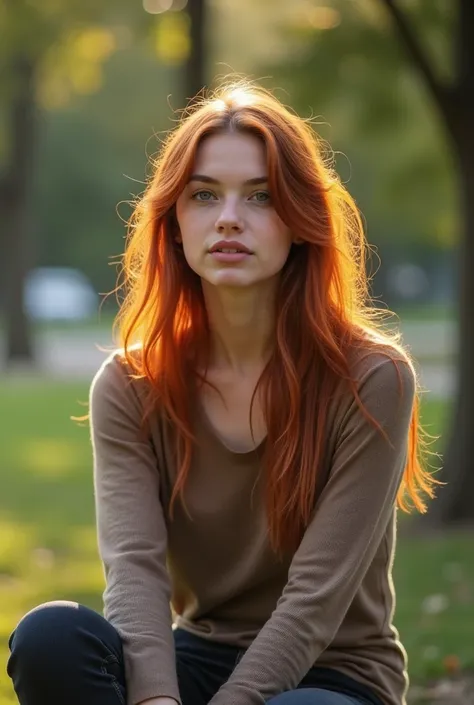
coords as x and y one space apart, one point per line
229 229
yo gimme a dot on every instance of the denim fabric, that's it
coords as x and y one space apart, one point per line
63 652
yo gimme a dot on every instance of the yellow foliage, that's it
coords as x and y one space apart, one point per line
49 457
86 78
75 65
172 39
94 44
15 538
447 229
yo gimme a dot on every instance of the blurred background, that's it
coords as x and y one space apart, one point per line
86 91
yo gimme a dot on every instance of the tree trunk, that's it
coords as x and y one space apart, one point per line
196 64
455 503
15 211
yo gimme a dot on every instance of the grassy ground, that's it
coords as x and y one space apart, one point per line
426 312
104 318
48 550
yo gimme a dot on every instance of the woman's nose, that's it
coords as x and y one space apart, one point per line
229 219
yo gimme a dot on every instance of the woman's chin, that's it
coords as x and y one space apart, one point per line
230 278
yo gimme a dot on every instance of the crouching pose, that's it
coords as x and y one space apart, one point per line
251 440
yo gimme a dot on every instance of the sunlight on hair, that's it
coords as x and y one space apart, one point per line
242 96
324 309
239 95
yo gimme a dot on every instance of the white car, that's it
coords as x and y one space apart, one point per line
59 293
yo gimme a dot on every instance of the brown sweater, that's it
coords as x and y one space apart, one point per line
329 604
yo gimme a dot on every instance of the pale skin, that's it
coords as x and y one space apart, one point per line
239 296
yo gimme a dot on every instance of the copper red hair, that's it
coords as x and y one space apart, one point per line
324 281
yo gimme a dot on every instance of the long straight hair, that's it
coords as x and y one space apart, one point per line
323 308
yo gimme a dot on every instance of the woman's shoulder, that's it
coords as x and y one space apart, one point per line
117 381
382 385
381 363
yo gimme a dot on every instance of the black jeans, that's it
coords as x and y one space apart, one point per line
66 654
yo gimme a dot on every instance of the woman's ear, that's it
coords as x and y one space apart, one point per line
297 240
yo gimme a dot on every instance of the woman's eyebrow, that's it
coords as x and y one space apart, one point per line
210 180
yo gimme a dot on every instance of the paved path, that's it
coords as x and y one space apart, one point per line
66 354
434 339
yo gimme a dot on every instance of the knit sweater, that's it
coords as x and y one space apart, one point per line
211 568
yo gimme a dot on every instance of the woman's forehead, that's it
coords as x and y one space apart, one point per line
239 155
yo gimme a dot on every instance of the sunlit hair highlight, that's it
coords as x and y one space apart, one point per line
163 326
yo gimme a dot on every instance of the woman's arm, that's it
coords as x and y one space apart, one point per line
339 545
132 536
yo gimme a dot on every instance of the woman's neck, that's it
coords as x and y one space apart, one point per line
242 324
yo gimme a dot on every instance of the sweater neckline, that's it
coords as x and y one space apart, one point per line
240 456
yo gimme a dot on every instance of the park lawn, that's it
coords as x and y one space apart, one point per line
426 312
48 547
102 321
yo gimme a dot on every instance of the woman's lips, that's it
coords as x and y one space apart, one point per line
230 256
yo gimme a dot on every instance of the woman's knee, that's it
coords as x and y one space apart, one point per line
56 631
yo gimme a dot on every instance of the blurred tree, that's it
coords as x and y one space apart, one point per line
181 39
49 49
454 99
93 161
195 70
343 52
342 61
15 196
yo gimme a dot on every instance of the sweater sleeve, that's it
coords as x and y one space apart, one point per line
132 536
339 544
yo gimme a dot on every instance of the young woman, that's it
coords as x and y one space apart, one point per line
251 440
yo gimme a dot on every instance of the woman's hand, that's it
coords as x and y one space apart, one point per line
163 700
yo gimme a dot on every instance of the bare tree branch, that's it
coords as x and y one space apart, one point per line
442 94
195 66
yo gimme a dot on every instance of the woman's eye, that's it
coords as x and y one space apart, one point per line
261 196
202 196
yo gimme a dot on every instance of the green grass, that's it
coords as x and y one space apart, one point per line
48 547
47 541
102 321
426 312
434 578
